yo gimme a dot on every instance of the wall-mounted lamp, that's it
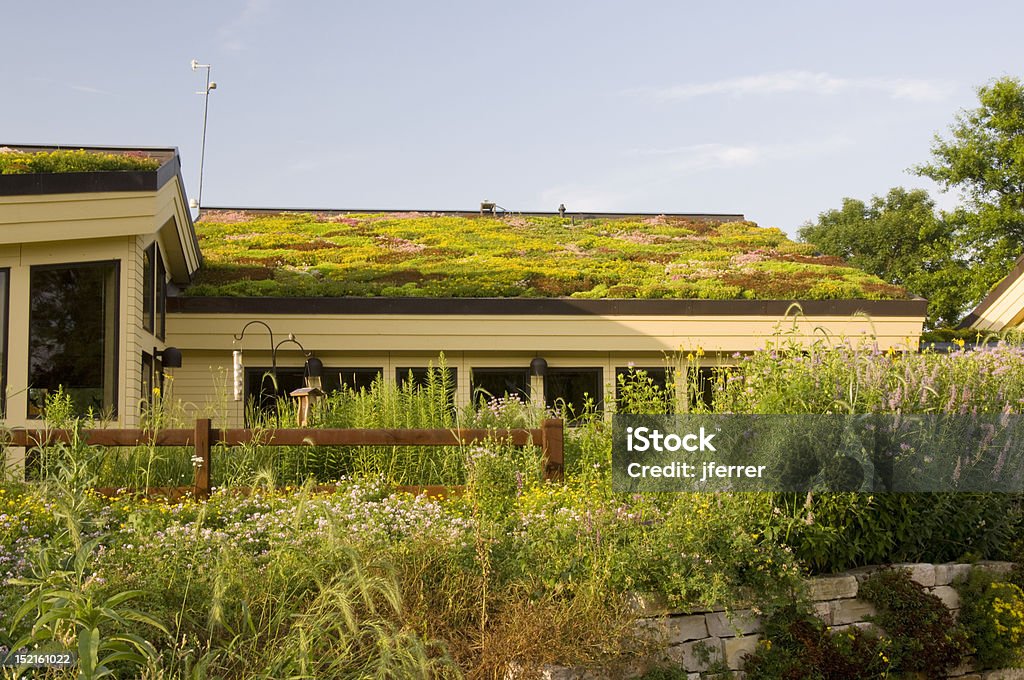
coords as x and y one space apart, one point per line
539 367
170 357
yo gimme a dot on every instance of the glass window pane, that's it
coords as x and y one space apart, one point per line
648 389
148 278
494 383
161 296
573 388
4 274
419 378
73 336
358 378
147 378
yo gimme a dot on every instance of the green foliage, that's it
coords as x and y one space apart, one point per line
13 162
983 159
925 638
797 644
62 609
992 611
900 239
421 255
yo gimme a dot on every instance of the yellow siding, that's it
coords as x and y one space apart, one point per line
1007 311
433 333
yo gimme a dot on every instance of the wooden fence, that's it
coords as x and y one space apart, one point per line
549 437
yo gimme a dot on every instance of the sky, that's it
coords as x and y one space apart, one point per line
773 110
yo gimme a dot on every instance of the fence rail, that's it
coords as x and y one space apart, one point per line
549 437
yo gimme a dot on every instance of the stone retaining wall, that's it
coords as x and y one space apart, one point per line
698 641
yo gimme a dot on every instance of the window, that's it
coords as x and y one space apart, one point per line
147 378
573 388
650 390
703 391
73 336
420 378
154 291
491 383
4 276
148 280
260 386
358 378
161 296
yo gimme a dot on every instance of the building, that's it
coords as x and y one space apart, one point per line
104 269
1003 308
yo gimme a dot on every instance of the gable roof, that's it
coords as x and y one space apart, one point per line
1003 307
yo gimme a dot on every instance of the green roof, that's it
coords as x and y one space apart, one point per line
291 254
29 161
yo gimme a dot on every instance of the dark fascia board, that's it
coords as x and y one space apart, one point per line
92 182
715 217
915 307
993 295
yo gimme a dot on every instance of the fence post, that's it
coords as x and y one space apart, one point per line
551 433
202 458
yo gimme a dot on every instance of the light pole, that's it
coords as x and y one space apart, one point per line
210 87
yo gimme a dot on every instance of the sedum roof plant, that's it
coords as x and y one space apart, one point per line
442 255
20 162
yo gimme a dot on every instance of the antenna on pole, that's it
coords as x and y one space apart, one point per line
210 87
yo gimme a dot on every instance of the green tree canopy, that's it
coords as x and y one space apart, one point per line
900 238
983 159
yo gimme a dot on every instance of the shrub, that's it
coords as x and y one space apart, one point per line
797 644
925 639
992 611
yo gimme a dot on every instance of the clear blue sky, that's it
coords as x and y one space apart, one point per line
620 106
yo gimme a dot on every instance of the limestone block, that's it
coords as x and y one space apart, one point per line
865 626
686 628
948 595
993 567
648 604
946 574
734 649
823 610
922 574
740 622
698 655
832 587
851 611
1005 674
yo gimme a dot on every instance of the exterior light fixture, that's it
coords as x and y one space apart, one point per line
539 367
170 357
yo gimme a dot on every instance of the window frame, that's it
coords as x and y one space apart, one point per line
115 330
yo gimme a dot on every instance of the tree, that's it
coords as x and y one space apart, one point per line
983 158
901 239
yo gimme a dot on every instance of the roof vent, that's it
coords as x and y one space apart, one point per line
487 206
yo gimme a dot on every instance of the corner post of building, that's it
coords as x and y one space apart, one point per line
552 446
201 460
